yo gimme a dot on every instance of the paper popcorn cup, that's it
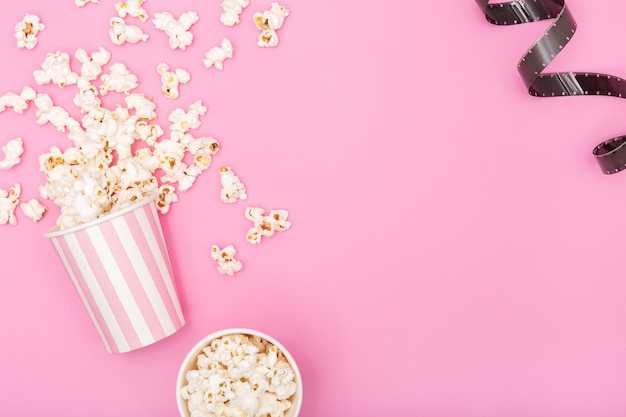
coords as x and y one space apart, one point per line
121 270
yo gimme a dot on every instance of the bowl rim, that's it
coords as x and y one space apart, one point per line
195 350
54 231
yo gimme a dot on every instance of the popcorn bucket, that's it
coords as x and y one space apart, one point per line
121 270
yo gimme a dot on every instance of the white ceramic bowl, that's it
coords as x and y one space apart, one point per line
190 363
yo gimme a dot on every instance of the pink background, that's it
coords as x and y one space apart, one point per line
455 249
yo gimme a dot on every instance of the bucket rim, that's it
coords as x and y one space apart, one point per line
56 232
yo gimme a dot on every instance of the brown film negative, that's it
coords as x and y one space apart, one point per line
610 154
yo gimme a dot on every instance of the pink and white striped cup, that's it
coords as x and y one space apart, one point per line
121 270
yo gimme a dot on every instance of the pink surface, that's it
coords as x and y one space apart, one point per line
455 250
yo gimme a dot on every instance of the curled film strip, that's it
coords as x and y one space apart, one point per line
610 154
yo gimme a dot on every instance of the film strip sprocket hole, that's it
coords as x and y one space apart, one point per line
610 154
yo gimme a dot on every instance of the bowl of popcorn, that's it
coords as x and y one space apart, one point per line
239 372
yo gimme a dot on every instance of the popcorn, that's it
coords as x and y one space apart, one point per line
147 132
183 121
19 102
81 3
133 8
119 79
240 375
84 180
232 188
92 64
56 69
47 112
86 98
166 197
106 169
33 209
267 39
275 221
177 29
203 150
27 30
120 32
218 54
268 23
143 106
226 262
232 9
272 19
170 79
12 152
8 201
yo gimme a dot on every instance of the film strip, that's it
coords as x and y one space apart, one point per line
610 154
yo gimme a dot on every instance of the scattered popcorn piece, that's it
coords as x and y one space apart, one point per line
119 79
275 221
240 375
56 69
47 112
218 54
166 197
267 39
133 8
147 132
252 213
232 188
86 98
92 64
203 149
81 3
120 32
33 209
170 79
177 29
272 19
19 102
8 202
232 10
27 30
268 23
12 152
143 106
183 121
226 262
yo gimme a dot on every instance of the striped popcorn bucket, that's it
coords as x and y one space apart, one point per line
121 270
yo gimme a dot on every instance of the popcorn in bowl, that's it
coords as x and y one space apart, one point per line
239 372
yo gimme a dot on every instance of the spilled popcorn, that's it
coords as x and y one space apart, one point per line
27 30
240 375
122 32
8 202
232 187
104 170
180 37
56 69
268 22
171 79
13 150
265 225
232 9
82 3
226 262
216 56
91 64
132 8
18 102
119 79
33 209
